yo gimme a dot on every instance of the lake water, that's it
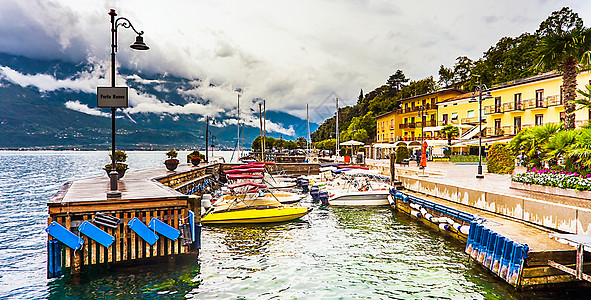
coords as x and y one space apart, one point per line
332 253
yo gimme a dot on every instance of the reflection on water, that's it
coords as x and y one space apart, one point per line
331 253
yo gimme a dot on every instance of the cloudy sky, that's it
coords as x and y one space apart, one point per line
287 52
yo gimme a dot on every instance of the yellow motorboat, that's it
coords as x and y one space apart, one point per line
251 208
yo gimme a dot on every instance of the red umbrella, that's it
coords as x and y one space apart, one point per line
424 155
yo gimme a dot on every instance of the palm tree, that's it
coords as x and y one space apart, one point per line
450 131
558 147
580 151
565 50
530 142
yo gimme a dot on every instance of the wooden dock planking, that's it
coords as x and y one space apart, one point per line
143 196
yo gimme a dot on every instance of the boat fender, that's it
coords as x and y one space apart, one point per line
415 213
206 201
456 226
465 229
428 216
423 211
415 206
450 221
444 226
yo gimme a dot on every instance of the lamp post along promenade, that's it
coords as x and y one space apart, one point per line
483 94
103 96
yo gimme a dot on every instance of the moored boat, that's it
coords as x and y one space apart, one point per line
251 207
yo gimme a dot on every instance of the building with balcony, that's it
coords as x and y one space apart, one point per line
529 102
419 113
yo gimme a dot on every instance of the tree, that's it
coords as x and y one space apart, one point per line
450 131
564 42
302 143
560 22
446 76
397 80
462 71
530 143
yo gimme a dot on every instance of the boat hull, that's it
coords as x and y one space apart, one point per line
372 198
256 215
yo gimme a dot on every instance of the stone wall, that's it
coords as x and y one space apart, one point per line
551 215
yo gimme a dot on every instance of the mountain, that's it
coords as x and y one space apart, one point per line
52 105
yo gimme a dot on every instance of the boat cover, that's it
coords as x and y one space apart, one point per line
246 183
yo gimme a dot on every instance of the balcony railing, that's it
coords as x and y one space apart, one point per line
535 103
472 120
553 100
495 131
493 109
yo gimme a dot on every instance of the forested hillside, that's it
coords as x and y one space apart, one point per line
510 58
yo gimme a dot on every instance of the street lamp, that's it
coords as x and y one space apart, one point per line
137 45
483 94
422 115
207 134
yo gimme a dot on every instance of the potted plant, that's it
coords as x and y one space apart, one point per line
171 163
120 167
195 157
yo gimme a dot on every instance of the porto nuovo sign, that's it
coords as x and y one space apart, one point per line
111 97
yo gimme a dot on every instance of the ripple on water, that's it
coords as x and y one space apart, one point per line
333 253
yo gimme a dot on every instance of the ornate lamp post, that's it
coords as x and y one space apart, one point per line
483 94
137 45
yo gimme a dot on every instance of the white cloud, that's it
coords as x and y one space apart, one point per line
287 52
83 108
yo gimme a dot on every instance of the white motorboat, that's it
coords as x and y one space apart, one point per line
359 188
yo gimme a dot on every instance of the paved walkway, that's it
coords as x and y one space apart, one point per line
463 175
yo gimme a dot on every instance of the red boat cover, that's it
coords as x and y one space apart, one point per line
353 167
246 183
241 171
244 176
249 165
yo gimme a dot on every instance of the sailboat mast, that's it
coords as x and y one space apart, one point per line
337 133
265 123
308 129
238 125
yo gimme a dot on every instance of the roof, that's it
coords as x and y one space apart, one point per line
419 96
519 81
433 93
456 98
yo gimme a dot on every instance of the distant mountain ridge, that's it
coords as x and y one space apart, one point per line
35 118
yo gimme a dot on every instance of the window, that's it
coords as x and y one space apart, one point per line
433 101
540 98
391 123
497 104
517 100
444 118
470 114
454 116
517 125
405 120
562 116
539 120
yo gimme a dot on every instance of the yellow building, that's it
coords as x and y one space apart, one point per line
529 102
414 116
514 106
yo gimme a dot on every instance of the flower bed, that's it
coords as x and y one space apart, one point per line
555 178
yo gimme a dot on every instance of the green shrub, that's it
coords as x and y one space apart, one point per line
500 159
401 153
465 158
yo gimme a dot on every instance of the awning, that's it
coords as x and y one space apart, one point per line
351 143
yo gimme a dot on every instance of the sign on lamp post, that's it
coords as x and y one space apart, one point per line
111 97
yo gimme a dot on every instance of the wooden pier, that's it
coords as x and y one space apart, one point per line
170 197
528 222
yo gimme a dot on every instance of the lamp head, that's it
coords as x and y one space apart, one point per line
139 44
486 95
